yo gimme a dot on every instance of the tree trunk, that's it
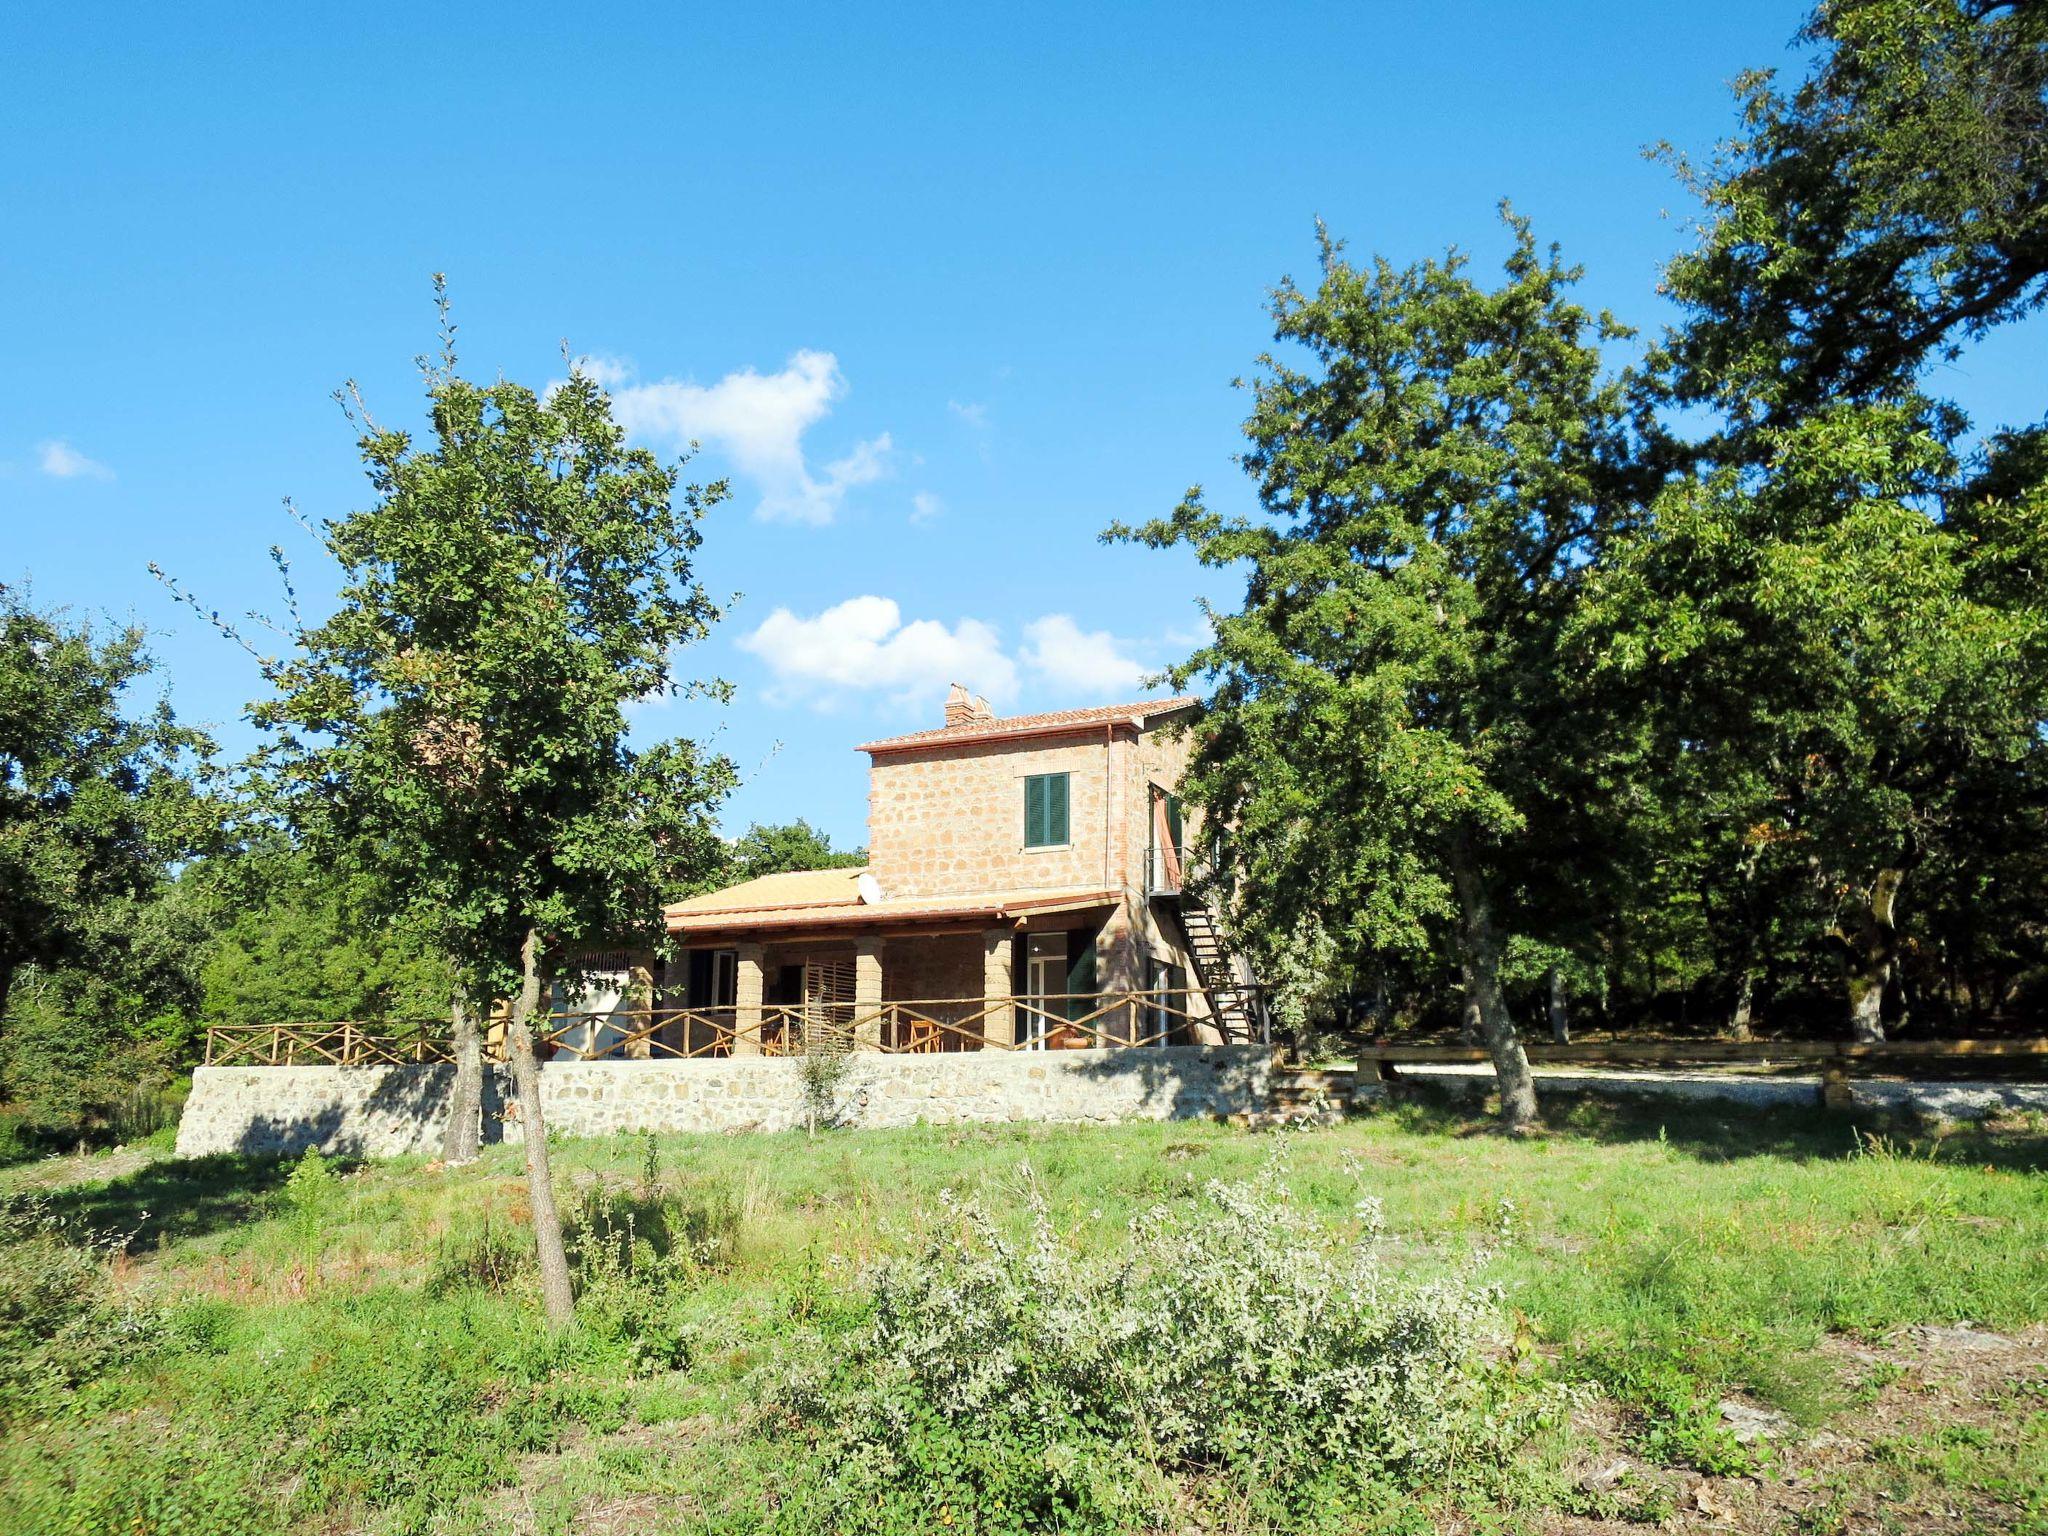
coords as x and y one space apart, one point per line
557 1295
1560 1015
6 986
1739 1017
464 1134
1470 1029
1518 1114
1869 944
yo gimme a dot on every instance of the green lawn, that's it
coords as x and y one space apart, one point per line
356 1349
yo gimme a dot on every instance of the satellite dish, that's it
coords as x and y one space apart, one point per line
870 888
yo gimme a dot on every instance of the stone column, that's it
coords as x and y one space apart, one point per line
640 1007
998 985
1117 970
867 993
748 985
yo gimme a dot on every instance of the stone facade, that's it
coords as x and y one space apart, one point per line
950 821
390 1111
940 966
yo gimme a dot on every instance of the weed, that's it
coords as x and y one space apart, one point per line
494 1257
639 1256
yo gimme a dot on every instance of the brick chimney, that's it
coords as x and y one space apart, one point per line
964 708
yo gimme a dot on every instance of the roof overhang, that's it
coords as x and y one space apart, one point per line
1133 718
848 918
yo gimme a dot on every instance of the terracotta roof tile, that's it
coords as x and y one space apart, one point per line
794 888
684 917
1140 713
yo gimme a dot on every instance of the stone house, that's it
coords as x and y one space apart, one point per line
1024 887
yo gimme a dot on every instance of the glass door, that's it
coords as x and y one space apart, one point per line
1045 989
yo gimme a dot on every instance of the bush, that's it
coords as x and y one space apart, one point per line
639 1256
496 1257
61 1320
1002 1385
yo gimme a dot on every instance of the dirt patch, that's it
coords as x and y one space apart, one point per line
1934 1407
54 1173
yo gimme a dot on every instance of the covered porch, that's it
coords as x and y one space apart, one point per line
997 988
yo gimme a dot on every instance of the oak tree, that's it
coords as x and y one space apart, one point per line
1383 733
460 722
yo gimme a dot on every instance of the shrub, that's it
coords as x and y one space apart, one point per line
1004 1385
639 1255
495 1257
308 1195
61 1319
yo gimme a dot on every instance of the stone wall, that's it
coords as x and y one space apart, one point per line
387 1111
950 821
932 966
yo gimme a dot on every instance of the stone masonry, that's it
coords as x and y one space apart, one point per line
950 821
390 1111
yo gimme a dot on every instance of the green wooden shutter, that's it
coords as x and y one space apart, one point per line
1034 812
1056 808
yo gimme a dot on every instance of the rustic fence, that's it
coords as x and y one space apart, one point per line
1837 1061
914 1027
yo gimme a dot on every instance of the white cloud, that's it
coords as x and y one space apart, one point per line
924 506
758 420
972 412
1075 663
863 645
59 459
607 373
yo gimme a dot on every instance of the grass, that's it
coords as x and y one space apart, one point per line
358 1349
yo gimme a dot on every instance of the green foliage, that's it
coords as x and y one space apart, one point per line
1008 1385
770 850
335 1381
62 1321
494 1257
821 1072
640 1258
98 804
311 945
1870 220
1819 617
94 805
1432 483
1716 677
457 728
1400 759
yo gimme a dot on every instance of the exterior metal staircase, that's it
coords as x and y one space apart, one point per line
1235 1000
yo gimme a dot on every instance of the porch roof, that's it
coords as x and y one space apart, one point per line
831 898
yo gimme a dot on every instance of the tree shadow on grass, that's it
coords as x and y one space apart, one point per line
175 1199
1726 1131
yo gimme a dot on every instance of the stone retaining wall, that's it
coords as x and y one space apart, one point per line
387 1111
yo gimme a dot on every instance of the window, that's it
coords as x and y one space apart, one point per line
1045 810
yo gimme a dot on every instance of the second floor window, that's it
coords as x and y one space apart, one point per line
1045 810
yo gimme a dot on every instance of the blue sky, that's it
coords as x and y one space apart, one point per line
945 289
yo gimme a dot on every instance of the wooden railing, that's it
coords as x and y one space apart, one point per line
913 1027
1836 1060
